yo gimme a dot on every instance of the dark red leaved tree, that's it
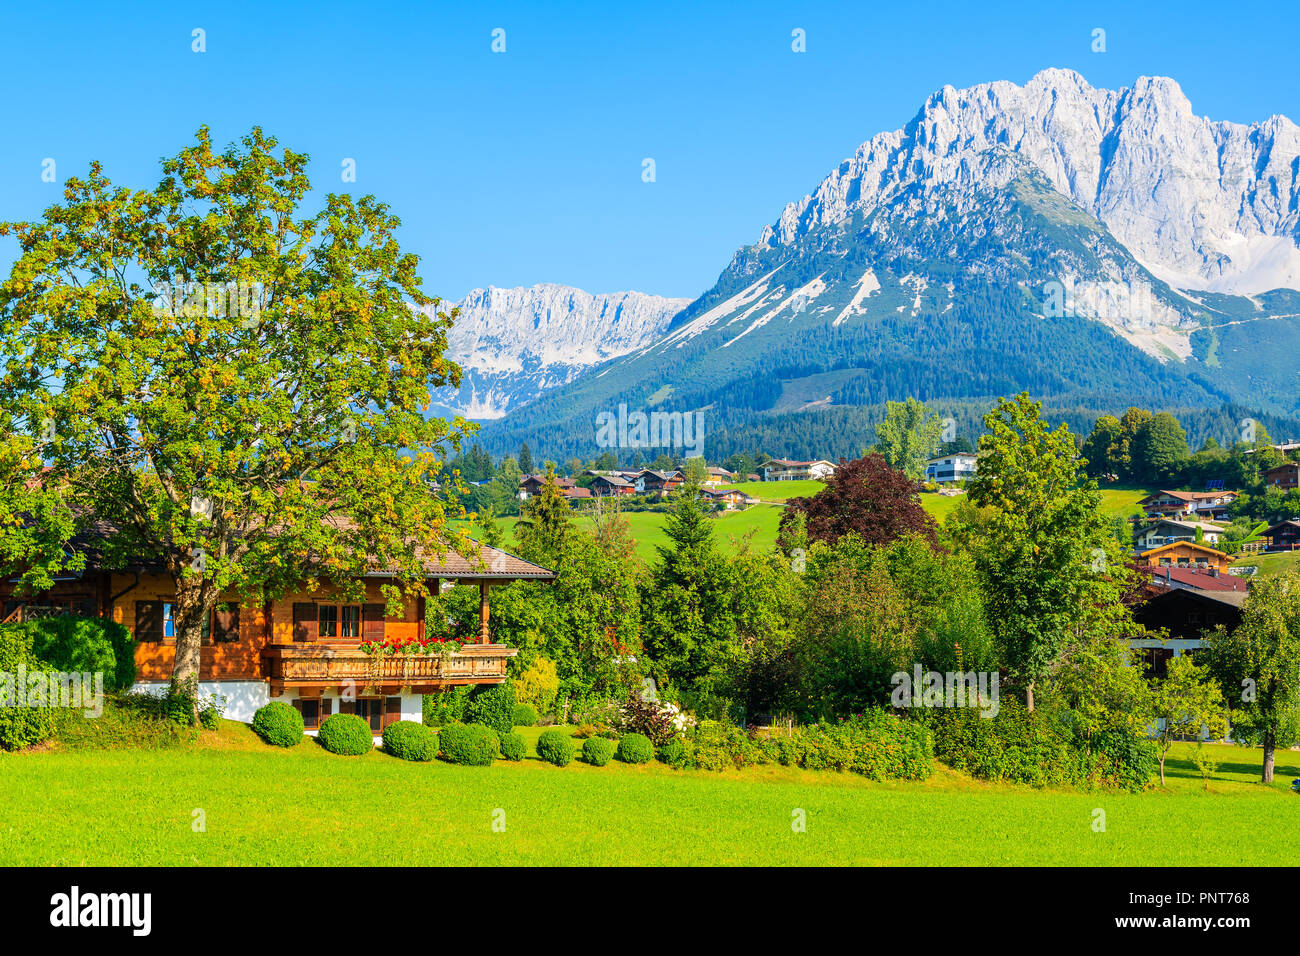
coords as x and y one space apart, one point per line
866 496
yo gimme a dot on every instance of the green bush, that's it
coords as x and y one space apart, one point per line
635 748
279 724
555 746
676 754
86 645
1014 746
129 722
525 715
408 740
513 747
472 745
209 717
346 735
21 727
597 751
493 706
446 707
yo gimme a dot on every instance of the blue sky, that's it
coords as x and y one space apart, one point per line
525 166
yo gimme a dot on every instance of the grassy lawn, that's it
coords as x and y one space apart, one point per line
1272 565
263 806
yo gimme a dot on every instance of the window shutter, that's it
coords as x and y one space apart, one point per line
326 707
225 623
392 710
304 621
148 622
347 706
297 704
372 622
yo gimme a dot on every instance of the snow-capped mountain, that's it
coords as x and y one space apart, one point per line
1097 248
1201 204
515 344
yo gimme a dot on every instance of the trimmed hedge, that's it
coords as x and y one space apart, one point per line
525 715
346 735
555 746
597 751
279 724
635 748
493 707
471 745
513 747
445 707
409 740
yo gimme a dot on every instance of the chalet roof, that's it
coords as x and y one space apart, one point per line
1197 579
1189 495
1185 544
1285 466
1288 523
577 492
956 454
616 480
541 480
1189 525
720 472
1231 598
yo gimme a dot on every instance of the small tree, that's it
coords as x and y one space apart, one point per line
1188 705
545 523
1258 664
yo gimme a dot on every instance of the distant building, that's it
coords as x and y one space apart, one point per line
1202 504
785 469
649 482
1187 615
1185 554
946 469
1284 536
1171 530
718 476
731 498
1284 476
529 485
612 484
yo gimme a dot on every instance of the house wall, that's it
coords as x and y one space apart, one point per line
1185 552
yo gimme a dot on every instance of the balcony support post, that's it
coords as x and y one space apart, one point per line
483 637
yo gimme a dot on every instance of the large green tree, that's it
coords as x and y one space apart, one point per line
1052 571
908 436
230 384
1258 666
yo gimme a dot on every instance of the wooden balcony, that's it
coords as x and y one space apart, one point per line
317 666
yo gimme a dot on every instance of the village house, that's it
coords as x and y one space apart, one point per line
610 484
729 498
303 647
1171 530
948 469
661 483
1199 504
1283 536
785 469
1186 554
717 476
530 485
1285 476
1171 577
1186 615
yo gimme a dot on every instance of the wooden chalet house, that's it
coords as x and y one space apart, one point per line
1284 536
661 483
304 647
603 485
1186 554
1285 476
1213 505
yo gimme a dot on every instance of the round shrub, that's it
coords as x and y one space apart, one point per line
675 753
21 727
346 735
409 740
513 747
494 707
555 746
597 751
525 715
278 724
635 748
471 745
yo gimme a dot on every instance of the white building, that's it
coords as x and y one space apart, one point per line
946 469
785 469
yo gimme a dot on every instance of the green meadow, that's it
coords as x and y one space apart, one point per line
304 806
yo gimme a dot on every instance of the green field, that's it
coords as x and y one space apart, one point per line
1272 565
263 806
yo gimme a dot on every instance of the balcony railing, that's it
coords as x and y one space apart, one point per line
311 665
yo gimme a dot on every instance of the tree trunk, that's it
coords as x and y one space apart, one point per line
1029 697
1162 768
1270 741
194 600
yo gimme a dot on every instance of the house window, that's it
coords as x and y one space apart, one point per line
352 621
225 623
371 709
155 622
169 621
314 711
329 620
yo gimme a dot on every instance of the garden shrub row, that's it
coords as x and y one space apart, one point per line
408 740
471 745
1017 746
278 724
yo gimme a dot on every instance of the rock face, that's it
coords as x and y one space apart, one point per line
515 344
1203 205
